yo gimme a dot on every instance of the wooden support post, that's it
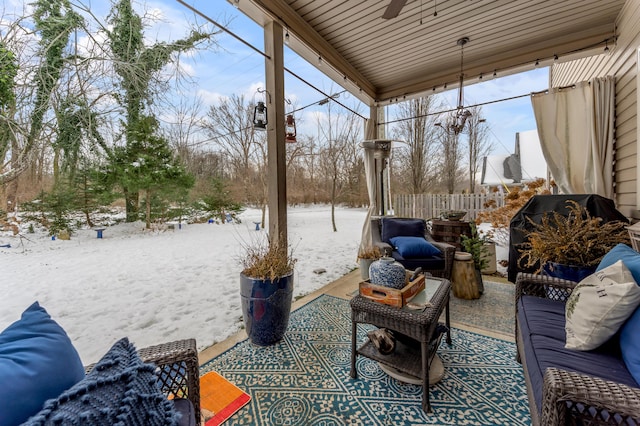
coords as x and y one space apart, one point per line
276 155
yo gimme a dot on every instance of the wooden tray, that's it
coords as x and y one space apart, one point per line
391 296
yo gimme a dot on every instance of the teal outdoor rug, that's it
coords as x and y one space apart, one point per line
304 379
493 311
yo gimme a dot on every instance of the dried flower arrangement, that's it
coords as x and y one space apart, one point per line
266 260
577 239
370 252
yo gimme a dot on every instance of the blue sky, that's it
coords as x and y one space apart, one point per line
237 69
234 68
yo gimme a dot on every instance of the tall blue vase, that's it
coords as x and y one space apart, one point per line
266 306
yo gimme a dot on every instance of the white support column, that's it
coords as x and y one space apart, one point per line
276 168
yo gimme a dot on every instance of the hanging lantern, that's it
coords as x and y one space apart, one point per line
290 129
260 116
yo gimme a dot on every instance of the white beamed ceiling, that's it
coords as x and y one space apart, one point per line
401 57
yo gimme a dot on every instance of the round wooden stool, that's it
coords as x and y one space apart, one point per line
463 277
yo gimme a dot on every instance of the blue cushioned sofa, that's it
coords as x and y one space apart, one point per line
565 386
385 229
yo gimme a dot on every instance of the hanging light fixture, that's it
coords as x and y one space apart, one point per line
456 125
290 129
260 116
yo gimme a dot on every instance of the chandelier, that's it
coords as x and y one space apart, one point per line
455 125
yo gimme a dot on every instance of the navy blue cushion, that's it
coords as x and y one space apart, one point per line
414 247
393 227
629 257
434 263
37 362
541 323
120 390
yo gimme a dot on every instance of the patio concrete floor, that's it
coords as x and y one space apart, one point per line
344 287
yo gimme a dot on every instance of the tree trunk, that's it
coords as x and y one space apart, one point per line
131 200
148 213
333 205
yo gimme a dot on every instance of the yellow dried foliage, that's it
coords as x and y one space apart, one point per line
370 252
577 239
265 260
500 217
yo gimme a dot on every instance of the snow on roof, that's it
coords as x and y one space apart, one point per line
527 152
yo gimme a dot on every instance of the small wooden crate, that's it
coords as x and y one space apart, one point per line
391 296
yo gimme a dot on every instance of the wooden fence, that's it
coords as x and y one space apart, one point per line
429 206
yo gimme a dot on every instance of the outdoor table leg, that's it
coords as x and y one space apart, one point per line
354 335
426 406
448 323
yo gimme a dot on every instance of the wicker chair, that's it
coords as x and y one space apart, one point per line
178 370
445 265
569 397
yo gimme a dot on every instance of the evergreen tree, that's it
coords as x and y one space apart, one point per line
155 170
137 66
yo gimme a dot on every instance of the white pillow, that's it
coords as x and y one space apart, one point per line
599 305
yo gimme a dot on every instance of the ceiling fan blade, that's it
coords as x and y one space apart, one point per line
394 8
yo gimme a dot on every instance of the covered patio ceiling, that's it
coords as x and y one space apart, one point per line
381 60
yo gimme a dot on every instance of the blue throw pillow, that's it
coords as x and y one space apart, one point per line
629 257
37 362
414 247
120 390
630 344
394 227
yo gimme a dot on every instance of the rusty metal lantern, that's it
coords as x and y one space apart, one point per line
260 116
290 129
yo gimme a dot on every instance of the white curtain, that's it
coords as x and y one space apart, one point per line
575 126
369 171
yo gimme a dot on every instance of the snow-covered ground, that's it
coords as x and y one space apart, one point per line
157 286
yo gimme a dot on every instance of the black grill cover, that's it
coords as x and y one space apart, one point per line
538 205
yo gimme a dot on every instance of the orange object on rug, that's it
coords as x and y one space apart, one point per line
219 398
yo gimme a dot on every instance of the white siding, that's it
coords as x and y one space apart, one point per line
621 63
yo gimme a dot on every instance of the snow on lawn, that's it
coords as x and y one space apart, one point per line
159 286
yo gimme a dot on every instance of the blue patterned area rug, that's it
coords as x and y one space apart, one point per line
304 379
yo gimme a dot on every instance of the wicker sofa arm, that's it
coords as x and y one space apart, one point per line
572 395
178 373
542 286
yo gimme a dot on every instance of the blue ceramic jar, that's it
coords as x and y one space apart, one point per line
387 272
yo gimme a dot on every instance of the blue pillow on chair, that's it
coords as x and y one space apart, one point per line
395 227
414 247
37 362
120 390
629 257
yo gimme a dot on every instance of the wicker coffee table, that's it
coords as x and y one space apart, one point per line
419 325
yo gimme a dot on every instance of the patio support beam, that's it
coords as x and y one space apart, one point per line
276 148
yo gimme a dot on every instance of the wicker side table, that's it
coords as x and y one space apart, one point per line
419 325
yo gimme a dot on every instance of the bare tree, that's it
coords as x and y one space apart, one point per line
451 157
230 125
415 158
338 131
478 143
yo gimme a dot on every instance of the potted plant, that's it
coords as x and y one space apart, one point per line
476 245
571 246
366 256
266 288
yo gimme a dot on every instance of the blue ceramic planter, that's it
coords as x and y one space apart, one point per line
568 272
266 306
